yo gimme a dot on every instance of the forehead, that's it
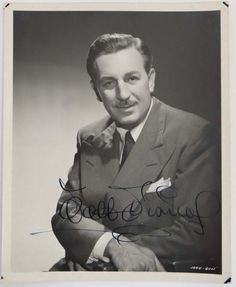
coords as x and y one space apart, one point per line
120 62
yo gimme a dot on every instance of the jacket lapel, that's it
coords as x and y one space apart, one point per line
100 162
147 158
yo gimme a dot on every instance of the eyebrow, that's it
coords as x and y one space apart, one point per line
106 78
111 77
131 73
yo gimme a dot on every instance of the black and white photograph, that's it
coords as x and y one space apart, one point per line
114 159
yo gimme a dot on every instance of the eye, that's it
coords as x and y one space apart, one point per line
133 79
108 84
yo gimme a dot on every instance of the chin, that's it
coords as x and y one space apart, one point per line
127 124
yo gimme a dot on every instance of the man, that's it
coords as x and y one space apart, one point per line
142 194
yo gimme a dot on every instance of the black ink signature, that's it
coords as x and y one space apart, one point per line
75 209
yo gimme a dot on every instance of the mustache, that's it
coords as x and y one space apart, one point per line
125 104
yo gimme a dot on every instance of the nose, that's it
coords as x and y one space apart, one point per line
122 91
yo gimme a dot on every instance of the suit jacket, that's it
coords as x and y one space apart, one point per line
181 224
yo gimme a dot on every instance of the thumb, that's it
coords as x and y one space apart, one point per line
105 259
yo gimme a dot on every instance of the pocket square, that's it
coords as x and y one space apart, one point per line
159 185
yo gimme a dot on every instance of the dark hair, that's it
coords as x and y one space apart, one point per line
111 43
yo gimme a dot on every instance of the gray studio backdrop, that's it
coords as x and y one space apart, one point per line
53 99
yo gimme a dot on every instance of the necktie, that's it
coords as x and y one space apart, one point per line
129 143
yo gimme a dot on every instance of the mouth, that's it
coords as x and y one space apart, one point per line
127 106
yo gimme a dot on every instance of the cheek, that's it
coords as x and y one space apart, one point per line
108 102
142 88
106 97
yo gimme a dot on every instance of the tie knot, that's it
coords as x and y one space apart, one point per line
129 143
128 137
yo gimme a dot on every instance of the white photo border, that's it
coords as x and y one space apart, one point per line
6 272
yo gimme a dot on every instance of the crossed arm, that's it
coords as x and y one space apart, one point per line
78 233
126 256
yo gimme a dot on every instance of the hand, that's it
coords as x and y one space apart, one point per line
94 266
74 266
129 256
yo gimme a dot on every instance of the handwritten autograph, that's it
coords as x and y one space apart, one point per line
75 209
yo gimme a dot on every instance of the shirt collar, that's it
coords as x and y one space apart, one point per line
135 132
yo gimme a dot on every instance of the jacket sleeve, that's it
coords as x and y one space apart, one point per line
193 237
75 231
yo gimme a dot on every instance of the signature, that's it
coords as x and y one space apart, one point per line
74 208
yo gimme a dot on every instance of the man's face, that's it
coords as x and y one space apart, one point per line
124 86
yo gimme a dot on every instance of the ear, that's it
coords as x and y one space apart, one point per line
151 79
95 90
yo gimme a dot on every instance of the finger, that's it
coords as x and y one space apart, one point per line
70 265
78 267
159 266
105 259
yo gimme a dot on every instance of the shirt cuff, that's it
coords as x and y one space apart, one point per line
99 248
